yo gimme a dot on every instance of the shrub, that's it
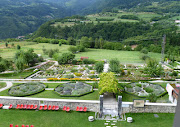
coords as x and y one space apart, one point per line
88 61
18 47
69 76
93 76
144 50
139 85
129 86
137 88
74 62
152 97
174 73
72 49
74 70
148 90
81 48
144 57
114 66
78 74
92 72
99 66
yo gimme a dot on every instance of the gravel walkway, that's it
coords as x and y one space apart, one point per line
9 84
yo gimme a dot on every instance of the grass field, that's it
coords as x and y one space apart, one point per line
116 16
97 54
8 53
123 56
15 75
77 119
2 85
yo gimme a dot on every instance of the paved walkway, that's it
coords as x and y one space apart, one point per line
106 67
110 105
8 85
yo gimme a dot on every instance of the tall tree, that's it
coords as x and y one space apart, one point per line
85 42
108 83
97 45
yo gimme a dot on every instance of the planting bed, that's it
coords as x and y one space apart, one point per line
73 89
69 71
144 89
26 89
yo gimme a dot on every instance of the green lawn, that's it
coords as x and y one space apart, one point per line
20 75
47 119
122 56
77 119
51 94
52 85
8 53
148 120
2 85
97 54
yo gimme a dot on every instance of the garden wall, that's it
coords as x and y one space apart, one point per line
149 108
91 105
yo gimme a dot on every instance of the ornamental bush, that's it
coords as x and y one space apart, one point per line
78 74
148 90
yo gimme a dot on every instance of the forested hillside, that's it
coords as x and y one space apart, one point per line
21 17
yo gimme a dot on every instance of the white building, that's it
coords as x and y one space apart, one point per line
177 21
173 92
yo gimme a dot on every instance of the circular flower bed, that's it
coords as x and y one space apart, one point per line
73 89
26 89
144 89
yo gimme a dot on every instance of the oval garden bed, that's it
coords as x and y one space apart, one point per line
26 89
144 89
73 89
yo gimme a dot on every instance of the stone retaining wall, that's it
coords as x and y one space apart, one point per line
149 108
91 105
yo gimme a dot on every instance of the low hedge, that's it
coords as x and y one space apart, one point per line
72 79
32 73
26 94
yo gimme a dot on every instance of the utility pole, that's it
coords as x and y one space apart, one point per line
163 48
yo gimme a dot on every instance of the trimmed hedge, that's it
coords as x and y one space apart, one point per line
72 79
26 89
32 73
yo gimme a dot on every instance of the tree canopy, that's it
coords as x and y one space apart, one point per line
108 83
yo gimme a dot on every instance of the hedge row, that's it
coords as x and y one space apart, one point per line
72 79
32 73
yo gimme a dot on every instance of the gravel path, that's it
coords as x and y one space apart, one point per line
9 84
